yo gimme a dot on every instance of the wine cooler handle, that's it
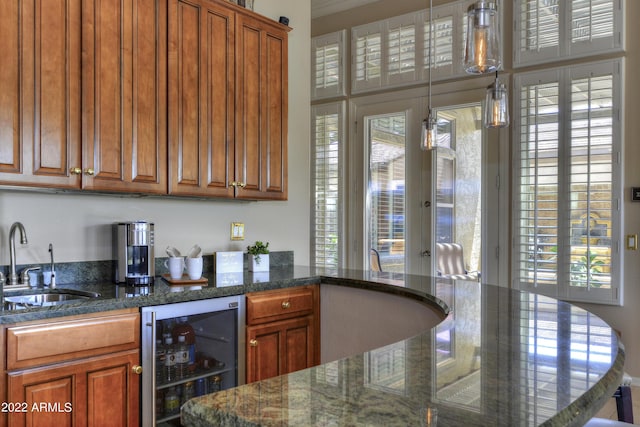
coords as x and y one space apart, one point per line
153 365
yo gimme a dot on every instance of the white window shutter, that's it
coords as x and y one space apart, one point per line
367 57
568 182
328 139
328 65
536 31
553 30
401 55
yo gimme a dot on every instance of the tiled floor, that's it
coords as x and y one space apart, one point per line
609 410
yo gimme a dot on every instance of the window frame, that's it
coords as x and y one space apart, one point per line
564 76
565 47
418 74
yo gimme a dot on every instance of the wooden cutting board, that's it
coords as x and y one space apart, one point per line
184 280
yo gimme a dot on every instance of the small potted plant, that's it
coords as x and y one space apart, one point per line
258 256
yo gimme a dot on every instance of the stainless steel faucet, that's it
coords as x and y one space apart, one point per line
12 280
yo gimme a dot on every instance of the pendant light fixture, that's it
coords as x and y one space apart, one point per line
496 111
428 139
482 56
482 50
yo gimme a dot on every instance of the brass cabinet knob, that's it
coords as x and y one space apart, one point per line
75 171
89 171
242 184
286 304
137 369
253 343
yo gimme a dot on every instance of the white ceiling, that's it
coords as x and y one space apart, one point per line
327 7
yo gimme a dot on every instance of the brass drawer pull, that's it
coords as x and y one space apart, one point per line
253 343
137 369
286 304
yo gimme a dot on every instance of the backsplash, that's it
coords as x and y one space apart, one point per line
101 271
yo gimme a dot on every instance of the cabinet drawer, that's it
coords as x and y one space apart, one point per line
60 340
269 306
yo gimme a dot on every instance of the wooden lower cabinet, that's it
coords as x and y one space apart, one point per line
283 331
278 348
74 371
101 391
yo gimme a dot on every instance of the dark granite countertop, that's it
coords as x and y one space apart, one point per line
500 357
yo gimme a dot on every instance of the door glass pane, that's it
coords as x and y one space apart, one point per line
386 219
458 181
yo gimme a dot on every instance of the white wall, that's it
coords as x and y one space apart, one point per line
353 321
78 225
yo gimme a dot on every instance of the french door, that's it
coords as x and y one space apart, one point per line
402 200
384 212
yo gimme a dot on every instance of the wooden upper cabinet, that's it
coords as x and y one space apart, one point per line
201 88
186 97
261 109
124 96
40 119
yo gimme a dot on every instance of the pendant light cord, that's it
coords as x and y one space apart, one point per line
430 50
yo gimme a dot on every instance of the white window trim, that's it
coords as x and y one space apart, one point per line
339 38
564 75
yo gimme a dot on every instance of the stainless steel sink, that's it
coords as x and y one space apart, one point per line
17 302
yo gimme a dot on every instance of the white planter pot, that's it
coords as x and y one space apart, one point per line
261 265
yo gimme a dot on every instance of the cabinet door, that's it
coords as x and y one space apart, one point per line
279 348
201 87
101 391
40 114
124 96
261 109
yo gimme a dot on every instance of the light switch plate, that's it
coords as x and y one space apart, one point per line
237 231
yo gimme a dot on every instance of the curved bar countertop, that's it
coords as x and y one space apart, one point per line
501 357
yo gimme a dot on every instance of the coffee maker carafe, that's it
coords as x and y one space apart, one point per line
135 259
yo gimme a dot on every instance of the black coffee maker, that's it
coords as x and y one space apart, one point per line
135 259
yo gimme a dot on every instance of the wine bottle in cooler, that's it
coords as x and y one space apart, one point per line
183 328
169 361
182 358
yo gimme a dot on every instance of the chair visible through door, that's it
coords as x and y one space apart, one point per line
374 260
450 262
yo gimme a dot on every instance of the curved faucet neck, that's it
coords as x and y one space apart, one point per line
13 277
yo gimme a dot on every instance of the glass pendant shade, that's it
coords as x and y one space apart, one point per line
482 50
428 139
496 113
